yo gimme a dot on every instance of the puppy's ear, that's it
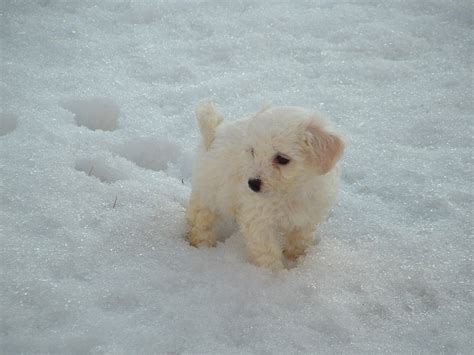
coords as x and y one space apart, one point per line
325 148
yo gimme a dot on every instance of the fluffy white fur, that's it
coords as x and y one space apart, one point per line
293 198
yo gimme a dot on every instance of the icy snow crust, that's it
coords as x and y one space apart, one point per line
96 138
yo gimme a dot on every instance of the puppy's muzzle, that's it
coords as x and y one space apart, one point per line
255 184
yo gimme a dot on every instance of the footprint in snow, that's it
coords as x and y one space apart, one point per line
8 123
95 113
99 169
151 153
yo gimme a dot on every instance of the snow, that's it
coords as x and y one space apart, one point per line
96 138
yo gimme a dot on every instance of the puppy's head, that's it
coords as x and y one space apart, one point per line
286 146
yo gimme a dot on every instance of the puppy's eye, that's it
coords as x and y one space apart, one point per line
279 159
252 152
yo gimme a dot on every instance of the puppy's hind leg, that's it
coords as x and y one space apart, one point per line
201 221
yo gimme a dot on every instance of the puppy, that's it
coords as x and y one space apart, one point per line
274 172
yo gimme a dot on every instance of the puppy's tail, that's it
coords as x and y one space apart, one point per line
208 119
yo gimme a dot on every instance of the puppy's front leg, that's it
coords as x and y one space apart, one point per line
201 221
297 241
262 243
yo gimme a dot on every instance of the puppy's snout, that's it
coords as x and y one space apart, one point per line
255 184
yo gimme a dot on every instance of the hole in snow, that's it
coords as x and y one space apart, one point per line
119 303
8 123
143 13
99 169
151 153
94 113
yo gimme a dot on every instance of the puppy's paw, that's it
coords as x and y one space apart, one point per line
292 253
200 239
269 261
297 242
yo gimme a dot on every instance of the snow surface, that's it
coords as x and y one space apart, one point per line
96 139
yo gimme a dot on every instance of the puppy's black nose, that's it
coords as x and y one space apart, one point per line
255 184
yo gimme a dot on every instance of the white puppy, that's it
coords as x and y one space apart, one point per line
273 172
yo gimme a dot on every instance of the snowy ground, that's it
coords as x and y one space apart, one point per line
96 139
